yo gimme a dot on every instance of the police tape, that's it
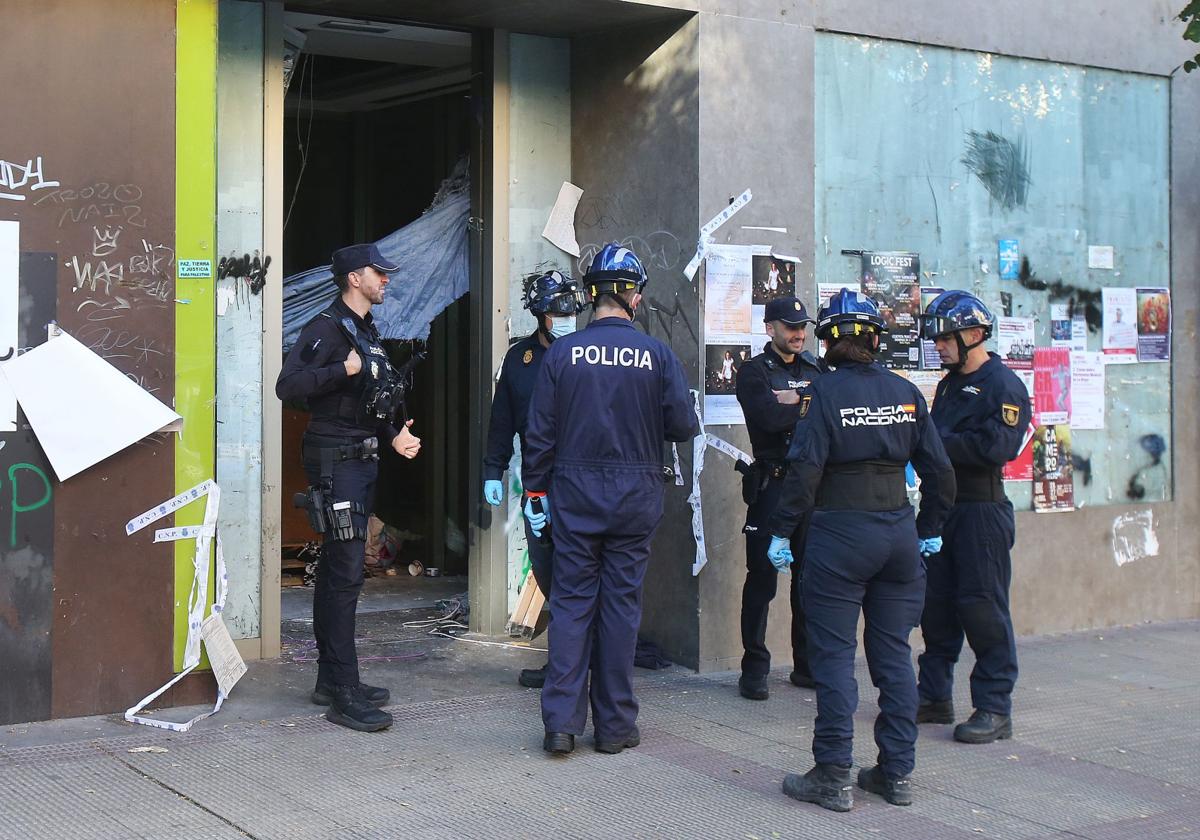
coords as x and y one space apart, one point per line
700 444
205 535
706 232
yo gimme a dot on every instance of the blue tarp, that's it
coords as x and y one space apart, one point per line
432 253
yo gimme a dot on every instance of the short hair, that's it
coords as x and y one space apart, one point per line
342 281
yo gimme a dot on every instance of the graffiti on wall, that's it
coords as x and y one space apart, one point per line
18 176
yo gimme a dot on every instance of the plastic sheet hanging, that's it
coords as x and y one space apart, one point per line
432 253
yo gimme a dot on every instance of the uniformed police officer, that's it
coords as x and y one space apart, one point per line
859 425
554 299
606 399
339 366
769 389
981 411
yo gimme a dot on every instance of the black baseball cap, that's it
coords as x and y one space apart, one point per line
354 257
787 309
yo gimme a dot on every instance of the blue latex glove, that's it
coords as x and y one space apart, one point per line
537 521
493 492
930 546
780 553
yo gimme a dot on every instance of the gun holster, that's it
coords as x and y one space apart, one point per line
329 516
752 481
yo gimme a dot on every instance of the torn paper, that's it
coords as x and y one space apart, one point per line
710 227
52 382
10 308
560 227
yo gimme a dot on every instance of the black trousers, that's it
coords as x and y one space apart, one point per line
340 574
761 584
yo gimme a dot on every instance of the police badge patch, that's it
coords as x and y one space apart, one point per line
528 357
1010 414
804 403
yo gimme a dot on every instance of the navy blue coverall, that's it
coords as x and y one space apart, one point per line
314 371
982 418
510 414
858 427
606 399
769 424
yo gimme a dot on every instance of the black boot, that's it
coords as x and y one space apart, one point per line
532 677
983 728
935 711
753 688
322 695
559 743
897 791
802 679
827 785
613 747
349 707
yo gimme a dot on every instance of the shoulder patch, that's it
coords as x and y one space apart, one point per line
528 357
1010 414
805 402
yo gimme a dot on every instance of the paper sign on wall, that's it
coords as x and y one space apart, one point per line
1119 337
10 308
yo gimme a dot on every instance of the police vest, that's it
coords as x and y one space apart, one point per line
782 379
377 389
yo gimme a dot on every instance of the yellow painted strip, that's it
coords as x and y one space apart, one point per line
195 243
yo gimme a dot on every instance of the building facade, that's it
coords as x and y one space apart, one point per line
175 159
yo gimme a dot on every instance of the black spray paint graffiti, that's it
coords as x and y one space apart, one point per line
1155 446
251 270
1086 301
1001 165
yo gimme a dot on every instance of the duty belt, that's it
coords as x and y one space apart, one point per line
333 450
862 485
979 484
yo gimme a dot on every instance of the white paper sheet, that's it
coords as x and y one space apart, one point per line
10 307
1101 256
58 380
227 664
1087 390
560 227
727 296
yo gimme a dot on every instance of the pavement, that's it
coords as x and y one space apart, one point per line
1106 746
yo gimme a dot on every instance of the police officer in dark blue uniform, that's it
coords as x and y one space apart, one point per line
769 389
981 410
339 366
555 300
859 425
605 401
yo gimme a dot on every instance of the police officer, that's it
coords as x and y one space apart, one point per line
339 366
605 400
981 410
769 389
859 425
554 299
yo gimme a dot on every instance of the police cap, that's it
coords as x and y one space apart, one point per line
355 257
787 309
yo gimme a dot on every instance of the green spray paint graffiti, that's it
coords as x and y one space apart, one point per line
19 507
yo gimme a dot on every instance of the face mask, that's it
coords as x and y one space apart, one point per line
561 326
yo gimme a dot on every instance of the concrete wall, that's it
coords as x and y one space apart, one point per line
635 124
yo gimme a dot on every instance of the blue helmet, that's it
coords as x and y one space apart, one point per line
953 311
552 293
614 269
849 313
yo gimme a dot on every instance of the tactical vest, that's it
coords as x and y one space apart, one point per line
376 390
782 379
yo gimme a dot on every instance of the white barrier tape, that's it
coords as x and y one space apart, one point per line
706 232
198 597
187 532
166 508
728 448
699 444
678 469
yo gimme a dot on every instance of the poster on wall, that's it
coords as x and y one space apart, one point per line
1014 342
10 308
727 296
1154 325
770 277
1087 390
1009 252
1053 475
1119 336
925 380
1051 385
723 358
824 292
930 360
891 279
1067 329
